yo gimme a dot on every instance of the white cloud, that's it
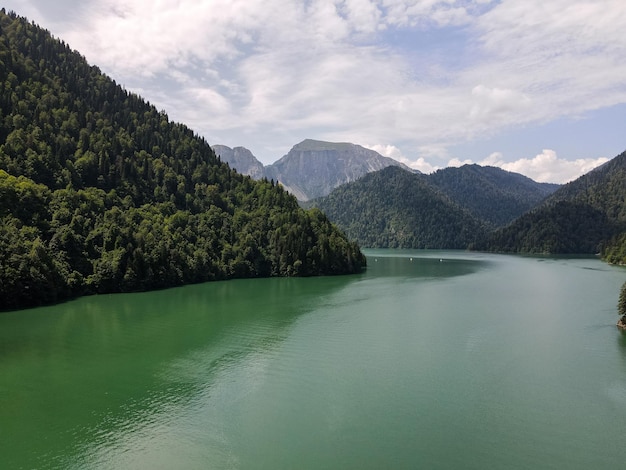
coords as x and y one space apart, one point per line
455 162
412 13
267 73
365 15
390 151
556 53
451 16
490 104
394 152
546 167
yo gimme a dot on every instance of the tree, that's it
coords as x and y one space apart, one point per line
621 308
621 304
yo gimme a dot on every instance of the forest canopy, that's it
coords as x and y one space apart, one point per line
586 216
100 192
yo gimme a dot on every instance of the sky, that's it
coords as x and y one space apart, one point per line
537 87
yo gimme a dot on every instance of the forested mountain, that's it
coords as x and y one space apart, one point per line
587 215
314 168
100 192
240 159
397 209
491 194
450 208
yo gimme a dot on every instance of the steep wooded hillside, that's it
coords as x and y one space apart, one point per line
394 208
100 192
491 194
587 215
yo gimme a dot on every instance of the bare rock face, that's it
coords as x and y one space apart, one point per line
314 168
240 159
621 323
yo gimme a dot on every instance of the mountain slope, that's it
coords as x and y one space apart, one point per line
491 194
397 209
240 159
581 217
314 168
100 192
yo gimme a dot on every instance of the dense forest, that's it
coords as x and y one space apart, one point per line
558 228
488 209
393 208
451 208
100 192
587 215
494 196
614 251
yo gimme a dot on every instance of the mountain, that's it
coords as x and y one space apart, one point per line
451 208
314 168
394 208
491 194
100 192
240 159
587 215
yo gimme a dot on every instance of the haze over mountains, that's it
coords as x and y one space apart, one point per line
311 168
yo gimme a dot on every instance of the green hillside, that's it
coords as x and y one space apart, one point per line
100 192
451 208
491 194
587 215
394 208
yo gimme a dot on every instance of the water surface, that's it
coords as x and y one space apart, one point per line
426 360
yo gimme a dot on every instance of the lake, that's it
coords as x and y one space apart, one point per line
429 359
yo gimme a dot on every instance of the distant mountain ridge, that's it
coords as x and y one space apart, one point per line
452 208
393 208
585 216
312 168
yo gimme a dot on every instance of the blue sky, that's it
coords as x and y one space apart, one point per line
532 86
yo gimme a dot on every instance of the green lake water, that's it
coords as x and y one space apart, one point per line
428 359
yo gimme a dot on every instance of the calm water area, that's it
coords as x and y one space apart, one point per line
428 359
